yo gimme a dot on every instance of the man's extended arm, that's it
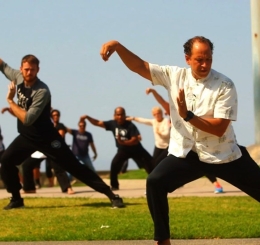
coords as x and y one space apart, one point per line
146 121
10 73
69 130
92 145
132 61
160 100
93 121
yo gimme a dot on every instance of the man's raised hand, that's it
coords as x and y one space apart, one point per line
108 49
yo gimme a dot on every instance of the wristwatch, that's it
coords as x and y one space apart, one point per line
189 116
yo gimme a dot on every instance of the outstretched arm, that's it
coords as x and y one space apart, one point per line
69 130
10 73
92 145
141 120
93 121
132 61
160 100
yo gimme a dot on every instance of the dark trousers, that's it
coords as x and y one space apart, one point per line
174 172
27 170
211 178
28 181
1 153
141 156
158 155
55 148
61 174
48 169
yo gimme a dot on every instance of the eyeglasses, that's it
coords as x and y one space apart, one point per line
55 115
81 126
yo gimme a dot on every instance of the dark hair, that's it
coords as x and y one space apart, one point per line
30 59
57 111
120 108
189 44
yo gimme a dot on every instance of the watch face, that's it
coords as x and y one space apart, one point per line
190 115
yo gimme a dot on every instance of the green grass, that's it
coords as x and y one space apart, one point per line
134 174
130 174
67 219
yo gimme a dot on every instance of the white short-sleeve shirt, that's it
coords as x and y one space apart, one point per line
211 97
163 127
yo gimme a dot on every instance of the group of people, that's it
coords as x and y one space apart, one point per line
30 168
37 133
202 105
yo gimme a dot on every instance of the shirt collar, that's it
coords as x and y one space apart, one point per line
202 80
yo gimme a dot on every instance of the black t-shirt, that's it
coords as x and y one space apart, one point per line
125 131
42 126
36 101
60 126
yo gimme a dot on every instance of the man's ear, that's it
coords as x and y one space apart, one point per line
187 58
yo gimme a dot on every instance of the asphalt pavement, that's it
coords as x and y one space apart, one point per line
134 189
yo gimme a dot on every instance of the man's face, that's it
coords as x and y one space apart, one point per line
29 72
82 127
119 116
157 114
55 117
200 60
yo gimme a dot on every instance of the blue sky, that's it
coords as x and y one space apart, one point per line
67 35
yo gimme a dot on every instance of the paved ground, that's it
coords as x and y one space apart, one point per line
136 188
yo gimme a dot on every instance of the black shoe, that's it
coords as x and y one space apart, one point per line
117 202
14 204
114 188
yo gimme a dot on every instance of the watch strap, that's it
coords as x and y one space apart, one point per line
189 116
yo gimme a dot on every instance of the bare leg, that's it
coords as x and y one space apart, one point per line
70 191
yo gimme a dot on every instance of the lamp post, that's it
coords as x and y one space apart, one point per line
255 30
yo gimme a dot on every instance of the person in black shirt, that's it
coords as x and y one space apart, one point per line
127 142
60 173
36 132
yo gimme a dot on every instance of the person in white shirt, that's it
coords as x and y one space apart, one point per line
203 104
161 131
166 107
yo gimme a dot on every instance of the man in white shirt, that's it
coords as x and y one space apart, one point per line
203 102
161 131
166 107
